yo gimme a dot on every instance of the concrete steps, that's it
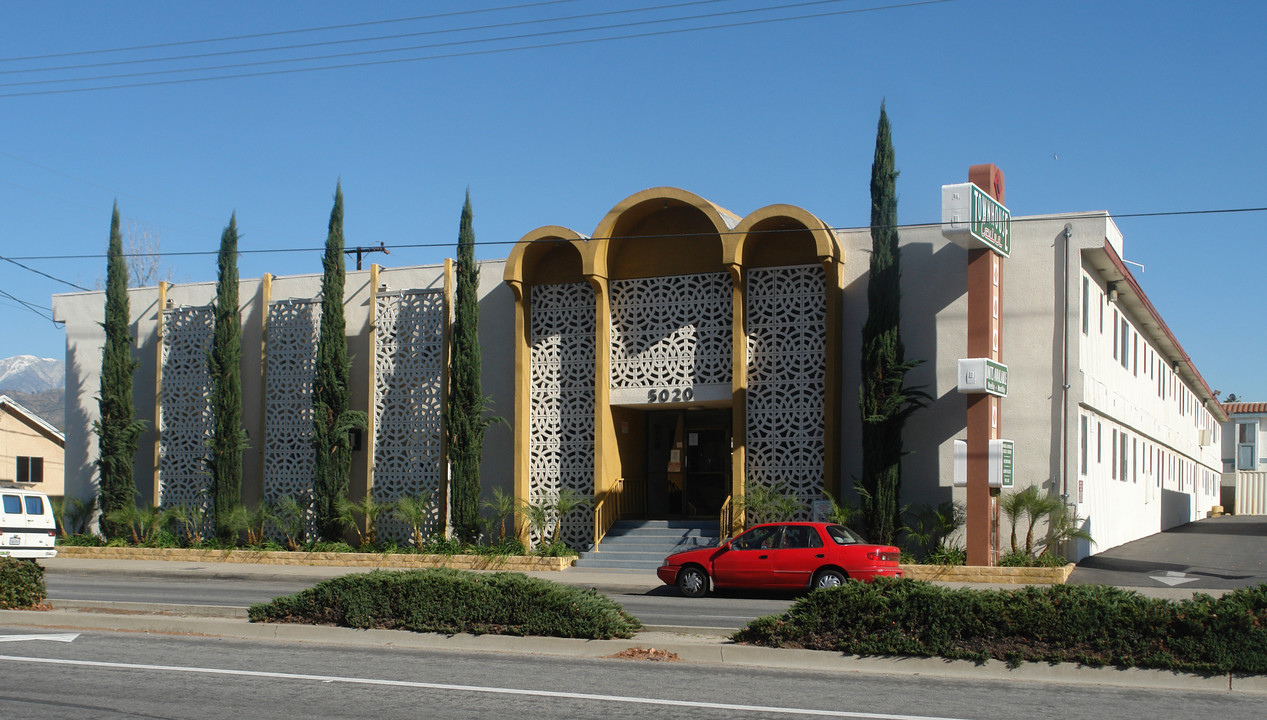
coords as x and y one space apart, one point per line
643 544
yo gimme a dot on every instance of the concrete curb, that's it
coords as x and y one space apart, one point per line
698 648
322 559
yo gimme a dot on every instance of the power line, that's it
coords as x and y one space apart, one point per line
469 53
40 272
30 306
490 243
277 33
348 41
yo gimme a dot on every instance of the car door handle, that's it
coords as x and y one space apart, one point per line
820 555
763 557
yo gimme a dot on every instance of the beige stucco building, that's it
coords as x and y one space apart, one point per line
678 354
31 450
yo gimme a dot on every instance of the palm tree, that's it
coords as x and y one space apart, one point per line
414 510
352 513
1031 506
503 506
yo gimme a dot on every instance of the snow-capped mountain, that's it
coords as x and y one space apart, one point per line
29 374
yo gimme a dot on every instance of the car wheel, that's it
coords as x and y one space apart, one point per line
828 578
692 582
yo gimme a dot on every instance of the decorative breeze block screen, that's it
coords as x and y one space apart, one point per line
561 436
671 339
786 319
185 421
291 345
408 359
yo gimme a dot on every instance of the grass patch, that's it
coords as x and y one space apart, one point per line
452 601
1089 624
21 584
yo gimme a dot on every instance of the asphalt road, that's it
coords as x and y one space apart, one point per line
659 607
113 675
1215 554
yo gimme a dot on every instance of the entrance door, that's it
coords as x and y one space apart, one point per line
688 462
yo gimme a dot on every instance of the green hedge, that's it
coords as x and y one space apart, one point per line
1088 624
21 584
452 601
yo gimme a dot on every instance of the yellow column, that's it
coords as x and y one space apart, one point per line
606 451
833 288
266 297
367 442
739 396
158 390
444 393
523 402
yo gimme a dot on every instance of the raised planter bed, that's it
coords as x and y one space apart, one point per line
331 559
998 575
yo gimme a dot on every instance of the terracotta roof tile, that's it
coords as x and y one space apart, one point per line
1245 408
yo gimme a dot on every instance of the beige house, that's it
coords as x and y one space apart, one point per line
31 450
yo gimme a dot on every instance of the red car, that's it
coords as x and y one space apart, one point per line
788 556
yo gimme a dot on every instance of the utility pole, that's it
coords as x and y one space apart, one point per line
359 251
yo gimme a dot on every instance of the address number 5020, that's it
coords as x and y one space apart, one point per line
665 395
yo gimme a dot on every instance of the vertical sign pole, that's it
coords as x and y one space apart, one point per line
984 421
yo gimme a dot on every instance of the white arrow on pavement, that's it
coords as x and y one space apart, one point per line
1173 578
64 637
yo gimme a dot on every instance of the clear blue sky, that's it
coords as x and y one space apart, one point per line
1130 107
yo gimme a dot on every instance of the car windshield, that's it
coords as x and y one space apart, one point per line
843 535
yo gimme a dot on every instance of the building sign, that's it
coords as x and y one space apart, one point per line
674 395
1002 454
982 375
969 214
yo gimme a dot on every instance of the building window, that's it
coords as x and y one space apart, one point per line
1135 356
1086 306
1126 345
1113 459
1134 457
1115 334
1099 443
30 469
1084 442
1123 457
1246 445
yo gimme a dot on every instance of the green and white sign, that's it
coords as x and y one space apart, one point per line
970 217
1002 455
982 375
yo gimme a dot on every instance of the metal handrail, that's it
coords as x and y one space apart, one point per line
606 513
725 521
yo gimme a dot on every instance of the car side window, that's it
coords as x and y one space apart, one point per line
12 505
757 538
800 536
34 505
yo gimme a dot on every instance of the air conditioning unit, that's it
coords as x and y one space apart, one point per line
1203 436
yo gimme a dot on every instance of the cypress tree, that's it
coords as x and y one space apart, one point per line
117 428
465 422
228 439
332 420
884 402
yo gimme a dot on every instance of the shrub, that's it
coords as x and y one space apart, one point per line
452 601
1088 624
21 584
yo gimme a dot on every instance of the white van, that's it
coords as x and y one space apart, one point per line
27 528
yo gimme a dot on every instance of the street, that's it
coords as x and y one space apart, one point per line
118 675
660 607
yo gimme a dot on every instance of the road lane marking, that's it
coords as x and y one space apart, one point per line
1172 578
475 689
63 637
